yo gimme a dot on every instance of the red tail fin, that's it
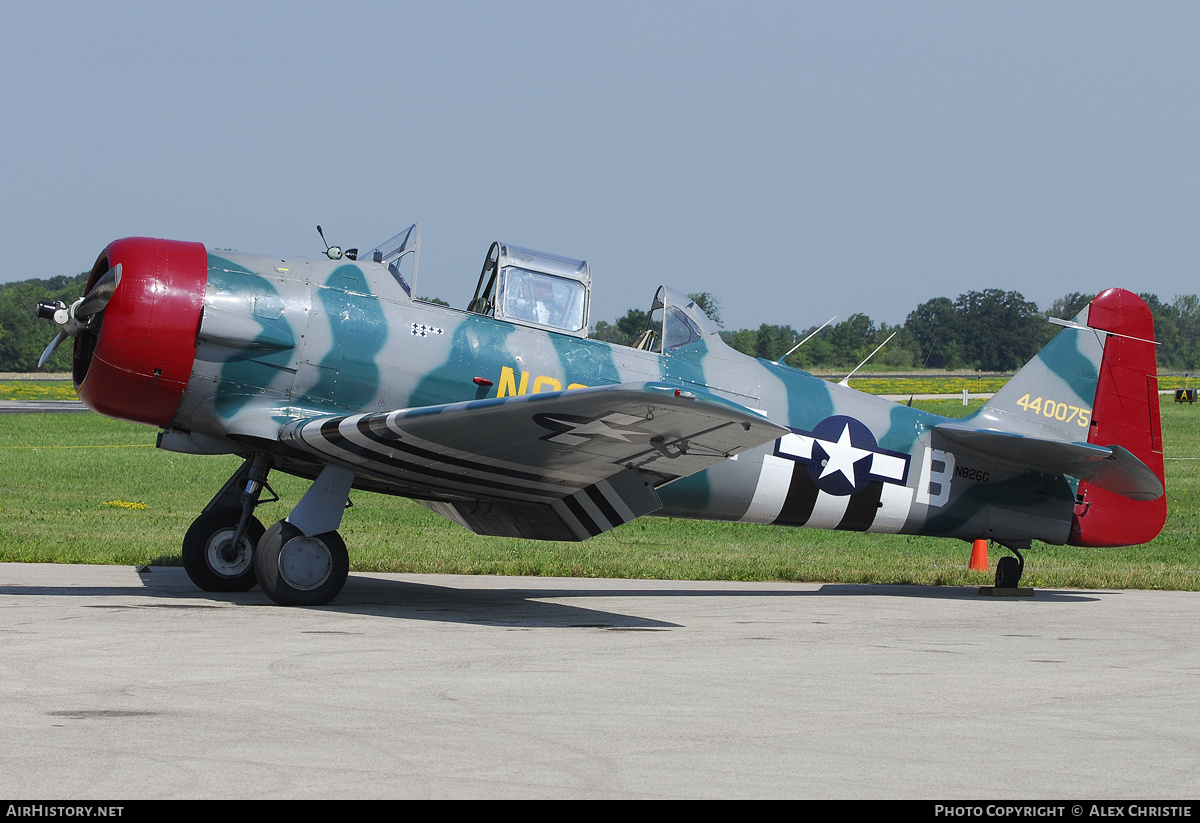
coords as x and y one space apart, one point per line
1125 413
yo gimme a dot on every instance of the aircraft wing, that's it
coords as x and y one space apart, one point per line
559 465
1110 467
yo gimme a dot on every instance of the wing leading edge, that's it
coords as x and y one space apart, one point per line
555 466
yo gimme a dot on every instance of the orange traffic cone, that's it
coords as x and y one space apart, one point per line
979 561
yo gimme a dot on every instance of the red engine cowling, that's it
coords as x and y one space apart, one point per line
136 365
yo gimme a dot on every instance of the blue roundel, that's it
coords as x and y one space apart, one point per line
843 451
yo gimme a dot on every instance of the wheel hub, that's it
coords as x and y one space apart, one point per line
305 563
226 559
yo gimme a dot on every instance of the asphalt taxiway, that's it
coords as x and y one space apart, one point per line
40 406
120 685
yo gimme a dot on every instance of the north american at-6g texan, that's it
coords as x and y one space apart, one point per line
505 418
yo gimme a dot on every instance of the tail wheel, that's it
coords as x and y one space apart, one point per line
211 559
1008 573
299 570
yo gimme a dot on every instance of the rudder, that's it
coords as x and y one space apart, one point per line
1125 412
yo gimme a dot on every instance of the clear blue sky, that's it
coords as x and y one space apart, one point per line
795 159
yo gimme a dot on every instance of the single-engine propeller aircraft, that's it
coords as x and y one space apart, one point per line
507 419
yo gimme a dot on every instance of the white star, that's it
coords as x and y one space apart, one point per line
600 427
843 455
596 428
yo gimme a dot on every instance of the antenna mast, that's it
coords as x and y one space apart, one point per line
805 340
845 381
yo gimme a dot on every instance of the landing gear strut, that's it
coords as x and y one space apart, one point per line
302 561
218 549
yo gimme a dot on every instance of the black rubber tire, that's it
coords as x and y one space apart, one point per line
202 546
1008 573
319 565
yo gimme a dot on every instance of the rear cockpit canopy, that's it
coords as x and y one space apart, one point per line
535 289
675 321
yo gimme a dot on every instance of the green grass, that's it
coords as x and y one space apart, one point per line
934 383
928 384
37 390
78 488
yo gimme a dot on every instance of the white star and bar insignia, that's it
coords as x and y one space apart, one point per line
843 456
571 430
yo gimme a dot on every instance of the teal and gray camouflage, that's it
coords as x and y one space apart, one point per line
507 419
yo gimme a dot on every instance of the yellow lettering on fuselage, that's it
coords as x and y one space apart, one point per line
509 385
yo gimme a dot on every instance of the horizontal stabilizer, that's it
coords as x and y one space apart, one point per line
1110 467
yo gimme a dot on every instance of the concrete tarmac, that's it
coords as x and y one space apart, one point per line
119 685
41 406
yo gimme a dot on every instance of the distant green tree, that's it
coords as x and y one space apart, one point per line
709 304
1069 305
767 341
744 340
772 342
23 337
993 330
901 353
625 330
1001 329
935 328
817 353
1186 356
1177 330
842 346
853 339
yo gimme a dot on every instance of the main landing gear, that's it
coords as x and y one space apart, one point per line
214 560
297 570
299 561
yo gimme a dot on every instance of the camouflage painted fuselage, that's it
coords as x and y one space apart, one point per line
282 340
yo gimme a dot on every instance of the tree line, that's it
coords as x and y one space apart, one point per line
23 337
990 330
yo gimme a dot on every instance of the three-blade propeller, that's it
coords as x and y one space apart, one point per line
80 315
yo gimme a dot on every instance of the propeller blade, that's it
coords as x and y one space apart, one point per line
61 336
96 299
